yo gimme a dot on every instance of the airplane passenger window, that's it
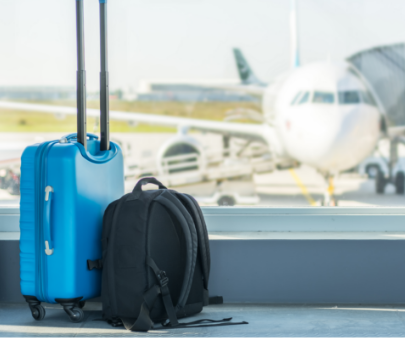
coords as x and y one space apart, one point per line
296 98
304 98
349 97
323 97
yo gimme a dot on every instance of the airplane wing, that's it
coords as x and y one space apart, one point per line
244 130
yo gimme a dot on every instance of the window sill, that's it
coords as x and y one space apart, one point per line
276 219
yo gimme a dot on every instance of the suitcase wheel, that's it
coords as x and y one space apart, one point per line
38 312
76 314
73 308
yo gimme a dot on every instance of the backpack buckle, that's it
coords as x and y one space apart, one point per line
163 280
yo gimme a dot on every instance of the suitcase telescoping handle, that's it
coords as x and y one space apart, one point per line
81 78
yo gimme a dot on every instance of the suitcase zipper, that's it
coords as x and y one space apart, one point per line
40 179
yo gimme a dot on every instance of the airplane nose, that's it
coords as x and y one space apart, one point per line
334 139
348 137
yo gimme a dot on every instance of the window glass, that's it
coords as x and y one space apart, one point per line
200 104
367 98
349 97
323 97
304 98
296 98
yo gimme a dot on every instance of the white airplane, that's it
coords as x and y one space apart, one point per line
322 114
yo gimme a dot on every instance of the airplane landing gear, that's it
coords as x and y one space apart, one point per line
380 182
398 181
329 199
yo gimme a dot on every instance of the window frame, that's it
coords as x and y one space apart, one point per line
277 219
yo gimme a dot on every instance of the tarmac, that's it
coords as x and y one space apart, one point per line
264 321
301 187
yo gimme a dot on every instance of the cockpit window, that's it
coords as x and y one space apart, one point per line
367 98
349 97
304 98
355 97
294 101
323 97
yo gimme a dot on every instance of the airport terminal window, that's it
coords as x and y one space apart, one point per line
349 97
304 98
323 97
223 109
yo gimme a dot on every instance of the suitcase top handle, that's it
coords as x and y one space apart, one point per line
81 79
138 188
74 136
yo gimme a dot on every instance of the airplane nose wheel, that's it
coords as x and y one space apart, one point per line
332 202
329 199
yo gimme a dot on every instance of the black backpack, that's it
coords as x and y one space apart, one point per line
156 259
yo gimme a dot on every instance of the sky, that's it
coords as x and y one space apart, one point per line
185 39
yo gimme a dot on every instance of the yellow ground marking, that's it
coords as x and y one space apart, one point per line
303 188
331 188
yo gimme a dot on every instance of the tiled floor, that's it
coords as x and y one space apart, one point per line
264 320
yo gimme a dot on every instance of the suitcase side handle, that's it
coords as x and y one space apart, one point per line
47 221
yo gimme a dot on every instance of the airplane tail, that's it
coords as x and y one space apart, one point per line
245 72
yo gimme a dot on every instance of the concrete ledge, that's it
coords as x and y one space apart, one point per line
303 236
284 268
308 271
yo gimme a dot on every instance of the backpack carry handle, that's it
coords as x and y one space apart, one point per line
146 180
81 79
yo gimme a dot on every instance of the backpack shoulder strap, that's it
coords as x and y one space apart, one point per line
180 212
203 241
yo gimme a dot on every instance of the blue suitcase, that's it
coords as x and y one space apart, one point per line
66 185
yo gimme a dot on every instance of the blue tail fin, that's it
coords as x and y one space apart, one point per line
245 72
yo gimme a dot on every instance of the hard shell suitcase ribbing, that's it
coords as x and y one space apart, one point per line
66 185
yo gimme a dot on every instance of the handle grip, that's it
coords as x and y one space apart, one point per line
146 180
47 220
74 136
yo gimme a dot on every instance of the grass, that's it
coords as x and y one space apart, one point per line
22 121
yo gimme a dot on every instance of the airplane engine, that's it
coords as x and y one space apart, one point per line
181 160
